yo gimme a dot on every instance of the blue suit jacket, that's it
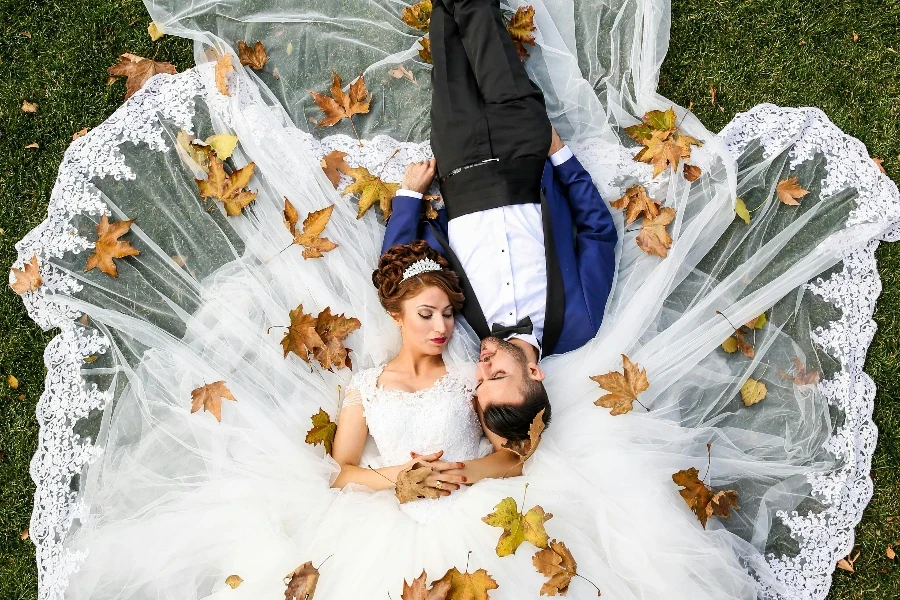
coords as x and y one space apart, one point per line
584 236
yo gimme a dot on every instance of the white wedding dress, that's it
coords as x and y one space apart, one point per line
139 498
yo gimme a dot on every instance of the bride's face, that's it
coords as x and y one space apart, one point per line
426 322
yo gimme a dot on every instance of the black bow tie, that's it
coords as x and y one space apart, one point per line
503 332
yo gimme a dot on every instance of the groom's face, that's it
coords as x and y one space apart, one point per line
502 369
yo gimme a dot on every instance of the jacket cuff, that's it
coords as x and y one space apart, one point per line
410 193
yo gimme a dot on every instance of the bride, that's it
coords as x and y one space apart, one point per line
752 330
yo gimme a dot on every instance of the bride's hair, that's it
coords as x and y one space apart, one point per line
388 277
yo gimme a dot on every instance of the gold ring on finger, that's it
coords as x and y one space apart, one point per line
439 485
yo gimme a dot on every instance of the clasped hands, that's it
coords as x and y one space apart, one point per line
445 476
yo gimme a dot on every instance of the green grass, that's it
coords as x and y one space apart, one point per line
749 51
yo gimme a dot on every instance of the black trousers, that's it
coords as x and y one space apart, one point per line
483 107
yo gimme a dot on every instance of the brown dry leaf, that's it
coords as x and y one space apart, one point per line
223 68
890 553
712 94
518 528
12 381
521 28
28 279
788 191
692 172
801 376
340 105
109 246
880 164
425 51
700 496
654 238
322 431
855 37
417 16
301 582
846 563
228 189
753 391
418 590
623 389
233 581
410 484
80 133
199 153
739 342
401 72
29 107
24 535
138 70
301 337
334 164
636 203
469 586
313 225
430 212
371 190
255 57
664 144
525 448
334 329
557 563
25 34
155 30
32 146
90 359
209 397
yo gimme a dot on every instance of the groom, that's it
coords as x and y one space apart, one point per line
523 224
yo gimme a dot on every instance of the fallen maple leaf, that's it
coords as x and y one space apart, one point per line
301 337
521 28
469 586
788 191
209 397
371 190
401 72
623 389
654 238
255 57
333 330
28 279
425 51
410 484
199 153
692 172
417 16
635 203
802 376
322 431
109 246
339 105
753 391
846 563
223 68
418 589
664 144
313 225
233 581
518 528
228 189
29 107
81 132
699 496
301 582
334 164
223 144
740 209
138 70
525 448
557 563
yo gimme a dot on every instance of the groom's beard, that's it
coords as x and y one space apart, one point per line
509 348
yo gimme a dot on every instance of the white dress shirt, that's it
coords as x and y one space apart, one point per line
502 252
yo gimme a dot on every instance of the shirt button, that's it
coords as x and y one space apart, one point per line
510 314
503 251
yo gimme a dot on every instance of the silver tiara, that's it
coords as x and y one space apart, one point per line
423 265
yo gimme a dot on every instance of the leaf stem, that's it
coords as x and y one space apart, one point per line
708 460
279 252
355 132
384 166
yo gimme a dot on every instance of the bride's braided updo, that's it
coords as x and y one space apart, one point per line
388 277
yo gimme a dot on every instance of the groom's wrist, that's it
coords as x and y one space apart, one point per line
410 193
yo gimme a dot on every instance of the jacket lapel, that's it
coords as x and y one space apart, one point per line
556 300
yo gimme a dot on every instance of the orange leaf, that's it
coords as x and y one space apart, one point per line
880 164
223 68
109 246
301 582
623 389
313 225
322 337
209 397
802 376
520 28
525 448
700 497
788 191
334 164
228 189
469 586
339 105
557 563
418 590
417 16
692 172
301 337
635 202
654 238
138 70
255 57
664 144
425 51
29 279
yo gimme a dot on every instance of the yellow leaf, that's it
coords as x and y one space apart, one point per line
223 144
233 581
730 345
29 107
654 238
322 431
741 210
518 528
228 189
12 381
469 586
753 391
155 30
371 190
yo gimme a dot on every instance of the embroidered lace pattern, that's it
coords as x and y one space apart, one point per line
62 454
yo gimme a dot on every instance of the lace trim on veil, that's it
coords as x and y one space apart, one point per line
67 398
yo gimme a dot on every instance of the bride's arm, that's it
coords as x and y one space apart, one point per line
496 465
349 441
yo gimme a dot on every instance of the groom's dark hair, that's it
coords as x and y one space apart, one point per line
512 421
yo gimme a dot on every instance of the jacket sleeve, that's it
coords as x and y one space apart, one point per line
595 234
406 224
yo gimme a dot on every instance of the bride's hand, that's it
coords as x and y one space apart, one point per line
440 479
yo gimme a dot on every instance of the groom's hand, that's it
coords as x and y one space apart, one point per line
556 143
418 176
